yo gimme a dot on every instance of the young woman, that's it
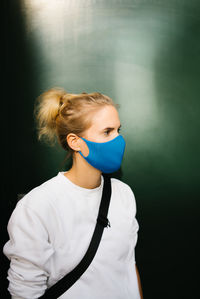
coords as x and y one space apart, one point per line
52 225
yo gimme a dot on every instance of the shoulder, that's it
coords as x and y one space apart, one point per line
120 185
40 197
34 211
124 192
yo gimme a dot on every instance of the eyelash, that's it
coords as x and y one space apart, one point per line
108 131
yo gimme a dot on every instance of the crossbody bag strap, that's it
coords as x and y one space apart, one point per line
70 278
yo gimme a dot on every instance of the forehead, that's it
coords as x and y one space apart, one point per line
107 116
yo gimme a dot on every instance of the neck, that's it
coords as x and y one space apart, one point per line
83 174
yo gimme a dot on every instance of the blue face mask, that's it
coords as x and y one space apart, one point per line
106 156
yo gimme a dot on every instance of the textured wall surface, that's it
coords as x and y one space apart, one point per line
146 56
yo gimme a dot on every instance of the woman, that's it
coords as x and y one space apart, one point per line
51 226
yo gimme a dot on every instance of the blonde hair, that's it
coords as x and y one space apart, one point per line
58 113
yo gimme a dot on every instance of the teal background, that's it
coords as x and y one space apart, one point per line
146 56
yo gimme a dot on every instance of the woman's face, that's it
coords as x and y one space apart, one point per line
105 125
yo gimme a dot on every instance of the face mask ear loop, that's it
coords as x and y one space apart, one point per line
80 152
82 139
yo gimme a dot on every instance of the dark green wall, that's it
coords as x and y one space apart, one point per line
146 56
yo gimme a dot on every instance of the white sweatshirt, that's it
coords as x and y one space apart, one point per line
50 230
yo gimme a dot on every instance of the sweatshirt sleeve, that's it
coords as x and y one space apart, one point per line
134 222
29 252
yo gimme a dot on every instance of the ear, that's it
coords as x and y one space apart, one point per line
73 141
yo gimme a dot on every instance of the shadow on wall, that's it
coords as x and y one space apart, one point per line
166 166
21 85
177 73
176 79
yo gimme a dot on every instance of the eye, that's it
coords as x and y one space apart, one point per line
107 132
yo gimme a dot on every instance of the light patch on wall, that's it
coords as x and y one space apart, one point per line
55 28
134 83
49 18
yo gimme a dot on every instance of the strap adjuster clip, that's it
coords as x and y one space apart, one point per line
103 221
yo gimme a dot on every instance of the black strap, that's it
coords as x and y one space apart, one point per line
69 279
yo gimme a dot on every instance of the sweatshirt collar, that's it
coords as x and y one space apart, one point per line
82 190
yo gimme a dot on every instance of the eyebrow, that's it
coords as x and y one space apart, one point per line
111 129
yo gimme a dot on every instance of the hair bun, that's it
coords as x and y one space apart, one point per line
46 110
